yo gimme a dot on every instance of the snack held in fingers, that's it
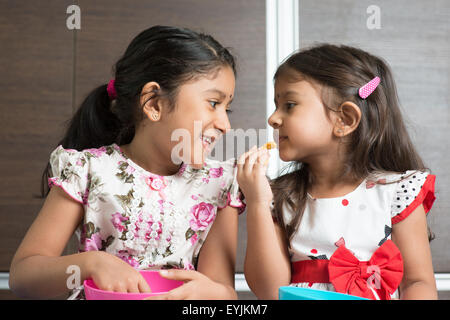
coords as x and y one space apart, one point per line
270 145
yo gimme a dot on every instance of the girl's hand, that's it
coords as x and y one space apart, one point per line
251 176
113 274
197 286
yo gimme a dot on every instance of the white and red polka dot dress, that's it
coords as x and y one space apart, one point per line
359 223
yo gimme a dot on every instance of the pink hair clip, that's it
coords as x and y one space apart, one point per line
369 87
111 89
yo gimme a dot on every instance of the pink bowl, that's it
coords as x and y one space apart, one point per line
158 284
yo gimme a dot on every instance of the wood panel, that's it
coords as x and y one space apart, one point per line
414 39
36 80
109 26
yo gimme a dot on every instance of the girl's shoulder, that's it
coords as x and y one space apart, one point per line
406 190
69 164
389 177
86 154
72 169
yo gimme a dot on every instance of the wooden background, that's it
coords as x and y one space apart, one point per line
47 70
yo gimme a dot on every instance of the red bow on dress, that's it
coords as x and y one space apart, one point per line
383 272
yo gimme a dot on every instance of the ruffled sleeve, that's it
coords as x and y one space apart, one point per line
231 194
414 188
70 172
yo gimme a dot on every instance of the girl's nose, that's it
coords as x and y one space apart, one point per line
274 120
222 122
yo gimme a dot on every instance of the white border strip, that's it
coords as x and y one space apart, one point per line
4 280
240 284
271 66
282 38
442 282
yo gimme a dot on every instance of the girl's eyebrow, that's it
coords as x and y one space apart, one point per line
220 93
287 93
284 94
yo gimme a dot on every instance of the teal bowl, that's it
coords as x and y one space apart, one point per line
295 293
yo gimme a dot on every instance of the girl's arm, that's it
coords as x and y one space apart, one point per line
214 278
39 271
217 258
410 236
267 263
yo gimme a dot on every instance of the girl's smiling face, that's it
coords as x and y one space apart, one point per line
305 125
200 114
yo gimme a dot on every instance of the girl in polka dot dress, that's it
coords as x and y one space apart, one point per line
350 216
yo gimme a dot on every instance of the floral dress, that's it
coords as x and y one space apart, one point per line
343 244
147 220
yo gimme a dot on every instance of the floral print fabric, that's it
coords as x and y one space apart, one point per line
149 221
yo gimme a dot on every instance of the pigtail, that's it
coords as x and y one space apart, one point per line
92 126
167 55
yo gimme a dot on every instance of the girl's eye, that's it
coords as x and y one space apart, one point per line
213 103
290 105
229 110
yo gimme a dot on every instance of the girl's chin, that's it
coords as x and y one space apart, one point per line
199 162
284 156
197 166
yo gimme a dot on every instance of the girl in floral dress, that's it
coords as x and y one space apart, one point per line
351 214
135 199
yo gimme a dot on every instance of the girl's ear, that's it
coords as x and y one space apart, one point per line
150 103
348 121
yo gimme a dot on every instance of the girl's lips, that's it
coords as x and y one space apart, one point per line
207 142
280 139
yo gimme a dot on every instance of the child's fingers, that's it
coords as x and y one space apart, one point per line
252 157
133 288
262 161
174 294
254 160
181 275
243 157
263 158
144 286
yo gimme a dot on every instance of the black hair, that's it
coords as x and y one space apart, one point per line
380 143
167 55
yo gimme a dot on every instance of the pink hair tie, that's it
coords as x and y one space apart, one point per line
369 87
111 89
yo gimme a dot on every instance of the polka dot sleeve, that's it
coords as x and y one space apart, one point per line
414 188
